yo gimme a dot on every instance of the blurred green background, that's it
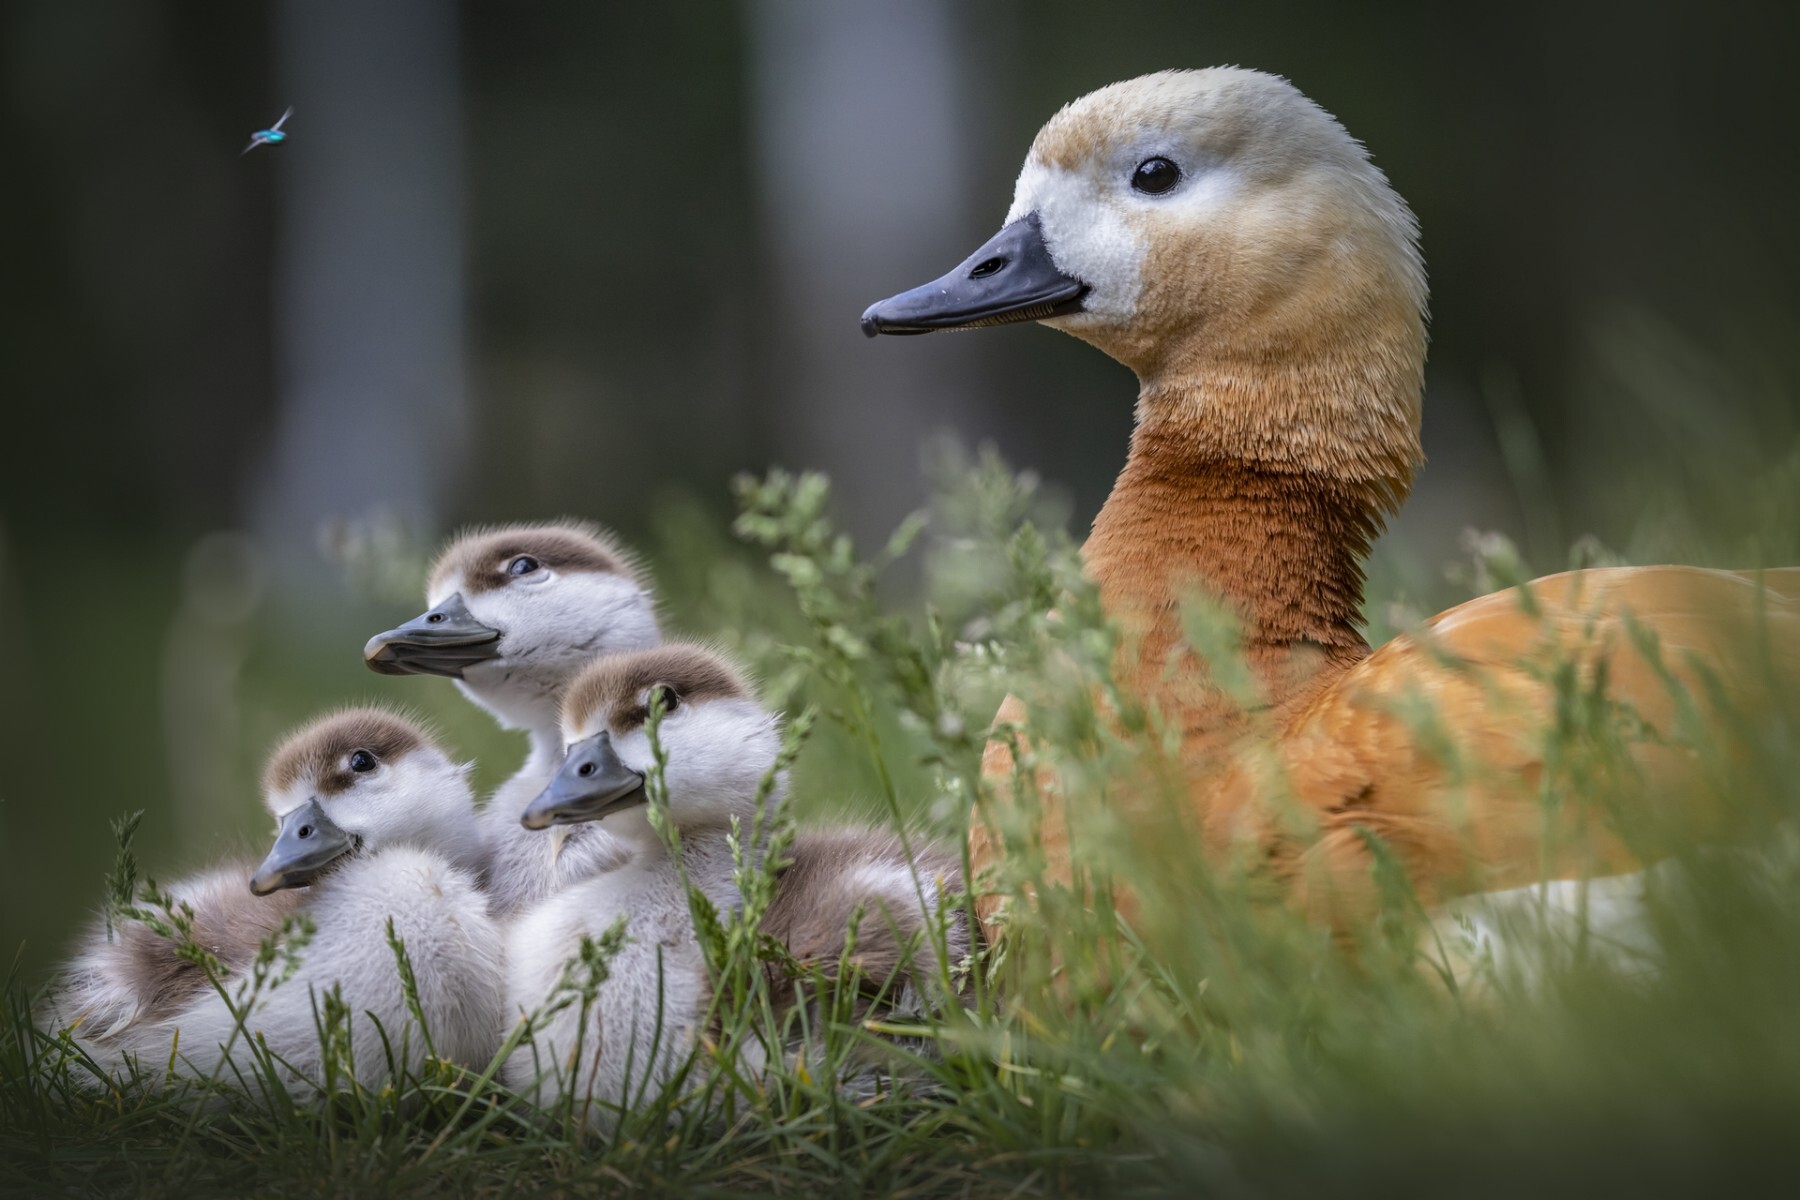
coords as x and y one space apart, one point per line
520 261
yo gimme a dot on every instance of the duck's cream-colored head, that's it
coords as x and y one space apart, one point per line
718 739
1224 237
358 781
514 613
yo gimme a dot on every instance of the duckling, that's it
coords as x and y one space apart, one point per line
648 1011
720 743
514 613
1225 238
127 976
377 824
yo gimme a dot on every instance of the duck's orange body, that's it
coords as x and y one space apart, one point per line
1224 237
1436 742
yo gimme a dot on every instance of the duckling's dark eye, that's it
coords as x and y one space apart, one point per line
522 565
663 696
1154 176
362 760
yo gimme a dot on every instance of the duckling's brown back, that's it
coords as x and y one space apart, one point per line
138 975
834 873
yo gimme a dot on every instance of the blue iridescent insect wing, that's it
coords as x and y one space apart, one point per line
269 136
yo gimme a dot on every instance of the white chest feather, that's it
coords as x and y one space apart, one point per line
647 1013
525 866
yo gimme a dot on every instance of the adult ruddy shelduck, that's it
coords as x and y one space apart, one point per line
1225 238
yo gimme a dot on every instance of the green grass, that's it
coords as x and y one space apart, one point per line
1220 1046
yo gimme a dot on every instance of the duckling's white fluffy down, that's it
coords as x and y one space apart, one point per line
127 976
527 866
457 957
647 1013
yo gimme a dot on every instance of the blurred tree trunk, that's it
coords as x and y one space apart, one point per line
866 127
369 284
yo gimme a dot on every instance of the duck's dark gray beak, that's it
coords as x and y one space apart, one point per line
307 843
444 641
1011 278
591 783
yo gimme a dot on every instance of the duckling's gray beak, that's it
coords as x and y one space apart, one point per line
591 783
444 641
307 843
1011 278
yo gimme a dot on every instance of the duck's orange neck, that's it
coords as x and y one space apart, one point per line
1272 440
1281 543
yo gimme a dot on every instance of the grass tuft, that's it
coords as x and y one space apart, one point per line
1209 1040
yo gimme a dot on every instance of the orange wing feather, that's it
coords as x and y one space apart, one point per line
1437 741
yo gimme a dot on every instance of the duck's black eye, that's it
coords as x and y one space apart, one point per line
663 696
362 760
522 565
1154 176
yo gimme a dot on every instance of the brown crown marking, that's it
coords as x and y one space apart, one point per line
614 686
480 556
317 751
